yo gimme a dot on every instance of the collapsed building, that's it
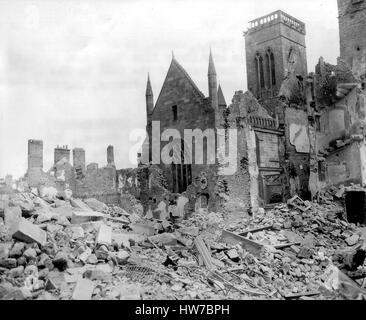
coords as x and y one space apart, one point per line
272 151
297 133
76 179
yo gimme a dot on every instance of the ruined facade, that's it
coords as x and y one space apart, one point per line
338 119
271 121
276 70
297 133
181 105
336 100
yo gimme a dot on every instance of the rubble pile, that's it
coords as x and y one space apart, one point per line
53 248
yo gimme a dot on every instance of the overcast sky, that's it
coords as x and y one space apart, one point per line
74 72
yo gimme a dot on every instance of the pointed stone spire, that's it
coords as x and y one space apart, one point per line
212 83
149 99
173 57
211 65
221 98
148 86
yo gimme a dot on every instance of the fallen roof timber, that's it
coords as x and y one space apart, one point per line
233 239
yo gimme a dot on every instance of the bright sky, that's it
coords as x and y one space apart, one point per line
74 72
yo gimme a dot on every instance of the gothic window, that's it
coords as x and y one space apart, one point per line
181 172
271 71
175 113
260 71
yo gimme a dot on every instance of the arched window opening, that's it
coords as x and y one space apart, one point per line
271 68
260 71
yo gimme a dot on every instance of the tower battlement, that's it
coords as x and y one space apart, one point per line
275 46
274 18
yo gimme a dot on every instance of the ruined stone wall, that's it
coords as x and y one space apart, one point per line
268 149
294 41
128 181
297 151
78 156
243 187
68 179
345 118
352 30
235 188
60 153
97 181
35 154
64 174
343 166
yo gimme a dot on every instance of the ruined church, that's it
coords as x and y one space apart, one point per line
297 132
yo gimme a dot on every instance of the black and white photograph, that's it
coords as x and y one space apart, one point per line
186 152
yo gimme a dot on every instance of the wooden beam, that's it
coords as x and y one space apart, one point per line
285 245
205 254
233 239
244 233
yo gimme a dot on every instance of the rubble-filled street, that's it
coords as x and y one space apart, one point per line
72 249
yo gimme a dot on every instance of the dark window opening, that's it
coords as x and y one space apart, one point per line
260 71
175 113
271 68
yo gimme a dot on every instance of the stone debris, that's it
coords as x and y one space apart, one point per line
288 252
104 235
83 290
28 232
